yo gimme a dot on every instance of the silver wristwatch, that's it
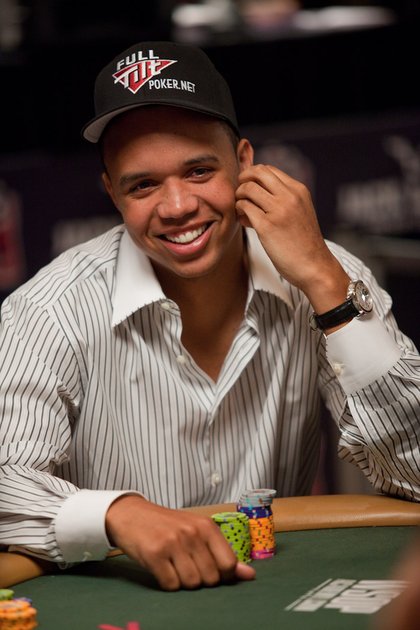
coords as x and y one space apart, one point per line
360 296
358 302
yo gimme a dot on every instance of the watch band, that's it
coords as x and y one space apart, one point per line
338 315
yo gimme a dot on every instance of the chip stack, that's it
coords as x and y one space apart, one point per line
256 505
235 528
16 614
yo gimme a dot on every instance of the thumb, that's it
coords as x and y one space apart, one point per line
244 572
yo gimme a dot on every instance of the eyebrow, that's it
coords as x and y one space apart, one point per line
199 159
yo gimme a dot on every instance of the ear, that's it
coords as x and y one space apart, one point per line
245 153
108 187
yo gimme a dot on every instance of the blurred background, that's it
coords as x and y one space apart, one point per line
326 91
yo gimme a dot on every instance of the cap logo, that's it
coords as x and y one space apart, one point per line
136 70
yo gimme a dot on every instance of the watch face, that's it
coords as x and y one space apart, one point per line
363 297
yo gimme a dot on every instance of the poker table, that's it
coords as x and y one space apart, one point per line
333 569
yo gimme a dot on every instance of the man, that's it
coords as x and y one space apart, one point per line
176 360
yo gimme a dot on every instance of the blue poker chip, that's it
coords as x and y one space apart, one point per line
255 512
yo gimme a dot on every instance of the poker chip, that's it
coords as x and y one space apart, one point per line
256 505
6 593
235 528
17 614
259 497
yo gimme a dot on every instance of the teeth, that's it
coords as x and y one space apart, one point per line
187 237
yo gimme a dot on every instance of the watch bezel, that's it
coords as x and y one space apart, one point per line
354 291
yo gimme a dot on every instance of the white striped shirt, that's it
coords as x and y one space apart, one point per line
98 396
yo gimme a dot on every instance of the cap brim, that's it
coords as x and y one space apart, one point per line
93 130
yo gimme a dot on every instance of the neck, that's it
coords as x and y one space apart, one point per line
220 287
212 309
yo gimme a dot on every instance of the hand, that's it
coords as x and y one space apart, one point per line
181 549
403 613
280 210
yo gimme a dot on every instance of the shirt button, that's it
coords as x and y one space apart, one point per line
338 368
182 359
86 556
215 479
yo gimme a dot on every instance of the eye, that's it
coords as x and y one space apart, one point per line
142 186
201 172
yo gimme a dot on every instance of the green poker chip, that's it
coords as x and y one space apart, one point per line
235 528
5 594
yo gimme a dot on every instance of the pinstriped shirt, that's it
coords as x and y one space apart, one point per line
99 397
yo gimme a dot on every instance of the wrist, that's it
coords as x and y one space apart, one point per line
119 515
358 302
329 290
80 525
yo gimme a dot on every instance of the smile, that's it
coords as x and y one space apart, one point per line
186 237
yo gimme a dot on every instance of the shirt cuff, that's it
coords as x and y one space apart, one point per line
361 352
80 525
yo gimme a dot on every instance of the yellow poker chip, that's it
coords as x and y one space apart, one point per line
6 593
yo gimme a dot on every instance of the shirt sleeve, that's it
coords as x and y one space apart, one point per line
372 384
40 390
84 512
361 352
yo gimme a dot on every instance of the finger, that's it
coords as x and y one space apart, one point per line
245 572
166 574
208 566
223 555
197 568
187 570
276 182
259 197
283 176
297 190
267 172
268 193
267 177
250 215
243 220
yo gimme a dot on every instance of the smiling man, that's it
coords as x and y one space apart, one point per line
180 358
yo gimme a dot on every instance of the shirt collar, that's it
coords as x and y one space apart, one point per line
264 276
136 284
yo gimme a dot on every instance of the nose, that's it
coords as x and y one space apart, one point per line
177 200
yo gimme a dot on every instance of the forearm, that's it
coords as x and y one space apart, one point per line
383 440
51 518
380 424
372 387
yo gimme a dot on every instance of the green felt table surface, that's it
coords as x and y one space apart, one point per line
117 591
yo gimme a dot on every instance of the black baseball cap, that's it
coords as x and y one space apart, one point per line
159 73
